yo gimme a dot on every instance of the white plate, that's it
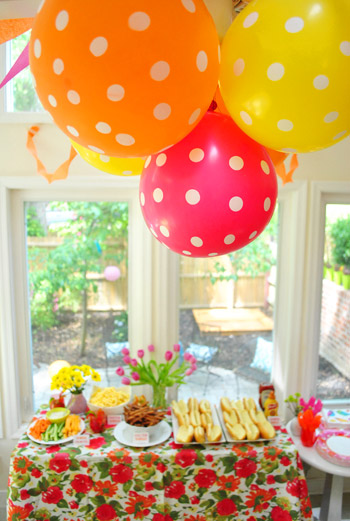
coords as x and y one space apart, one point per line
157 437
58 442
228 435
216 421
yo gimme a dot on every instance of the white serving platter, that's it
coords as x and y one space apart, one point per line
58 442
228 435
216 421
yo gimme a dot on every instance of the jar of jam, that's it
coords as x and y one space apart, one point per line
264 392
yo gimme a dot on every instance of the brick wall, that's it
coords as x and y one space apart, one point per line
335 326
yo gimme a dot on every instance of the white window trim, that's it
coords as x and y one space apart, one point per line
14 317
321 194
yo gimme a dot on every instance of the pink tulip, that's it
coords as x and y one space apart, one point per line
140 353
176 348
134 362
125 351
193 360
135 376
188 372
187 356
194 367
125 380
120 371
127 359
168 355
151 348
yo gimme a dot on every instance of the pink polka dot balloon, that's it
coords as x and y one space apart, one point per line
112 273
212 193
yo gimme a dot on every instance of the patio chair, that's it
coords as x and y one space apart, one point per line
203 354
113 349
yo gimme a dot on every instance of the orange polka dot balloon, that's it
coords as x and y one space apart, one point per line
125 78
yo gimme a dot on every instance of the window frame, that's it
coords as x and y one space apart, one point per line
321 194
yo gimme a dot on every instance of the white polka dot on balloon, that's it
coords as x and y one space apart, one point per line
341 134
265 167
72 131
285 125
196 241
246 118
236 204
202 61
238 67
139 21
142 199
196 155
212 254
127 172
37 48
105 159
103 127
98 46
194 116
160 71
229 239
96 149
161 159
331 116
189 5
52 101
73 97
115 92
62 20
158 195
164 231
125 139
320 82
252 235
185 252
267 204
236 163
58 66
162 111
192 196
147 162
294 24
275 71
250 19
345 48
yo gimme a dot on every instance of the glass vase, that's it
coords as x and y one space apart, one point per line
77 404
159 396
308 437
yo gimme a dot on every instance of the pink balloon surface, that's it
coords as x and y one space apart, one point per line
211 193
112 273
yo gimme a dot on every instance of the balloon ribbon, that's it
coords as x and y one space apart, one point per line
62 170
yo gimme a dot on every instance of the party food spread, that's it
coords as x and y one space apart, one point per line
44 431
196 422
243 421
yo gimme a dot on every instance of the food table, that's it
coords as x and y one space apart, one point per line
105 481
331 506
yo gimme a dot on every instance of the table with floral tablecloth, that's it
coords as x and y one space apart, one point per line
105 481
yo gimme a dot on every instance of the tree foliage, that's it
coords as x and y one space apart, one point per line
60 280
340 241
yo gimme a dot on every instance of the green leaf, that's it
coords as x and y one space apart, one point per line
220 494
250 480
228 462
184 499
97 500
62 503
127 486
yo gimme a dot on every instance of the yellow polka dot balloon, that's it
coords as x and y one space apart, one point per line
125 78
285 73
122 166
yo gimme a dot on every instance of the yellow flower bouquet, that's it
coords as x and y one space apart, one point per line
74 378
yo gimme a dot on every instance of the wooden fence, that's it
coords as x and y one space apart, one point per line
196 288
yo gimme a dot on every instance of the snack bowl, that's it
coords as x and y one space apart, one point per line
58 414
116 409
130 430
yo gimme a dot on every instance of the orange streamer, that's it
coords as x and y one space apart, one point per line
62 170
13 27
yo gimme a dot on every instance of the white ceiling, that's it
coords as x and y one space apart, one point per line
18 8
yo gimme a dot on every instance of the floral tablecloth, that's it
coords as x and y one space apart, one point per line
261 481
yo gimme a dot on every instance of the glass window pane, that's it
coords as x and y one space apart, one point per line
20 93
334 353
78 309
226 318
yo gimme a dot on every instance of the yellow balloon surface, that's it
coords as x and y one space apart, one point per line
285 73
123 166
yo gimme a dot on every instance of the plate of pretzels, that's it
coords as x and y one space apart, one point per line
196 422
243 422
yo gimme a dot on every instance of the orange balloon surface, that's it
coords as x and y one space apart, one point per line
125 78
